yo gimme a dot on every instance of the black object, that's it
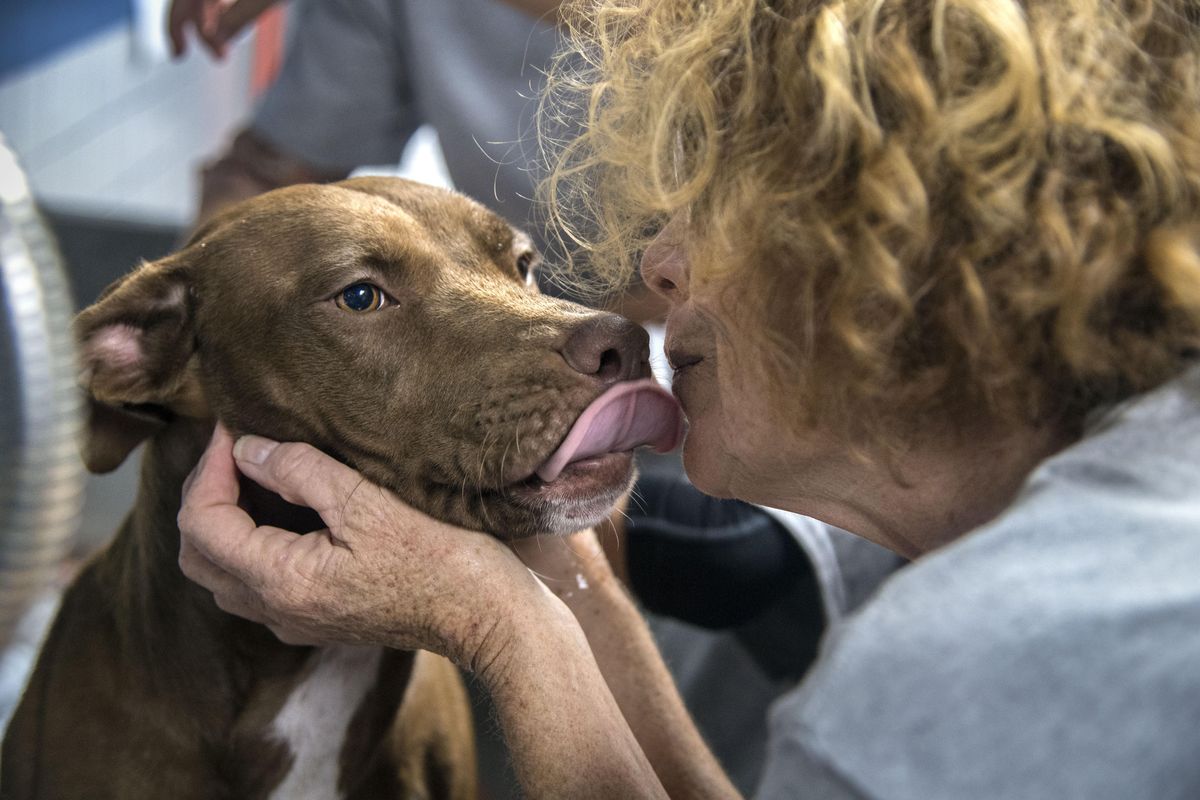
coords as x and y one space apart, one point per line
724 565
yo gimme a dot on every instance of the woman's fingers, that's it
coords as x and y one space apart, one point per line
220 483
230 593
232 596
211 521
403 579
289 636
300 474
210 511
203 16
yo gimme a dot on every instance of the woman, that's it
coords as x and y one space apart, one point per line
933 277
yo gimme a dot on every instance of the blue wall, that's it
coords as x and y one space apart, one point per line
34 30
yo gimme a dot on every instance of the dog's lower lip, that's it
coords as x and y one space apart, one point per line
577 475
574 467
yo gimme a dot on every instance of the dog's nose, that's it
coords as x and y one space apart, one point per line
608 347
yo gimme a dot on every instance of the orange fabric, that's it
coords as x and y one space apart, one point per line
268 48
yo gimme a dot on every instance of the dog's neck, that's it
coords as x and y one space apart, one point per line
142 565
219 678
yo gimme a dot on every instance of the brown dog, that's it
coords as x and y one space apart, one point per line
395 326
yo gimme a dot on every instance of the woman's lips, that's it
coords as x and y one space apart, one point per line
682 385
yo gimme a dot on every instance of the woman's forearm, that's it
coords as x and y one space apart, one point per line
646 693
625 653
566 733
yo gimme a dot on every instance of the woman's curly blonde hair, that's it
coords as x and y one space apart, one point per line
920 206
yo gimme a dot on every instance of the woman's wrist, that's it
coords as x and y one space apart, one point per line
517 644
570 567
544 678
526 605
504 607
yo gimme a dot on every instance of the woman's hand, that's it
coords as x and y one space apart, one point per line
381 573
385 574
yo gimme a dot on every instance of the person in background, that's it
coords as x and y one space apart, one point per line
360 76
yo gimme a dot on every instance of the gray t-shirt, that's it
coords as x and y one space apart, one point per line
1052 653
361 75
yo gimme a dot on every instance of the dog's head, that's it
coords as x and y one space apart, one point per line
395 326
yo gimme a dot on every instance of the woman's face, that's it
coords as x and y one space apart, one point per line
738 446
734 447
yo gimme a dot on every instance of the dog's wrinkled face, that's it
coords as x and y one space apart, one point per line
395 326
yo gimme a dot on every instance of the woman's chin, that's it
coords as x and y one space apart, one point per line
706 462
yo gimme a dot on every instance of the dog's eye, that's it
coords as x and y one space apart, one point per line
361 298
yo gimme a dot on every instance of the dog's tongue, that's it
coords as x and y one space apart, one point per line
628 415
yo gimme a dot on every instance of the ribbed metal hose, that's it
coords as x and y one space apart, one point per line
41 475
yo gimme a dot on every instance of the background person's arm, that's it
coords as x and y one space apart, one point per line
215 22
541 9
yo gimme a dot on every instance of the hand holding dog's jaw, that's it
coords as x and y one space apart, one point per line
383 573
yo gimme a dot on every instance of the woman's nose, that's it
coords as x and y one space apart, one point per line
665 267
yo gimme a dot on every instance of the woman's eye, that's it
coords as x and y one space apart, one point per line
525 265
361 298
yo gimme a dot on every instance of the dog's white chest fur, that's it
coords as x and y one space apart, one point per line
314 720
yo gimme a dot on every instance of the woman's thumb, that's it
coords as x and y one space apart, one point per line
299 473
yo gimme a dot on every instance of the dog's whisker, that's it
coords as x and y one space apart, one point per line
611 530
345 506
485 459
483 511
462 491
482 456
468 405
463 494
519 451
636 497
483 451
543 578
503 459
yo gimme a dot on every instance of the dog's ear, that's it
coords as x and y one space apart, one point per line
137 360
